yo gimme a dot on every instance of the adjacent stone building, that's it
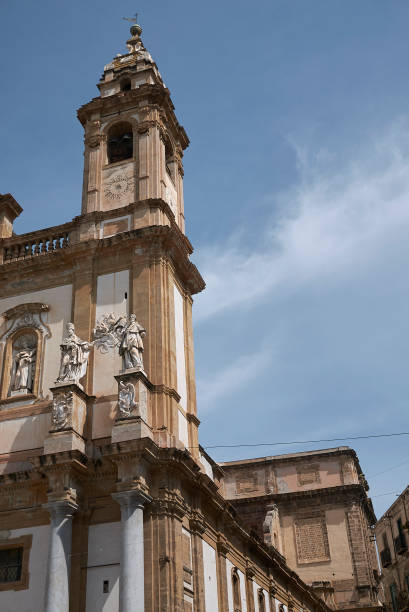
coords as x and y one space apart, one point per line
313 507
107 502
392 537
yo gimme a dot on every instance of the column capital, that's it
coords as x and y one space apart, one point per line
135 498
60 509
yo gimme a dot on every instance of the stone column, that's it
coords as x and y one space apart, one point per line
59 556
132 581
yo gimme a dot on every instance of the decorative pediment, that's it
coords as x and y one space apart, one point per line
26 315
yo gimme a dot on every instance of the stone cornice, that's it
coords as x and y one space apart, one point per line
160 241
346 494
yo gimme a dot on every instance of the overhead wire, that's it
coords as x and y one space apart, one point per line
248 445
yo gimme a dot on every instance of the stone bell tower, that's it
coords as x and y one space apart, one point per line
133 215
133 141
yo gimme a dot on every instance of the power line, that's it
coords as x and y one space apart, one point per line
394 467
383 494
389 435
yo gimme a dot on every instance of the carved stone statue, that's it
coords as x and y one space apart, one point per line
131 347
122 332
126 399
74 357
23 366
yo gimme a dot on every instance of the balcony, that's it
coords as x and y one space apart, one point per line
386 558
400 544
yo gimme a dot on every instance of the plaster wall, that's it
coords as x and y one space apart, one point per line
210 578
59 299
328 475
31 599
23 434
340 562
103 565
111 290
103 417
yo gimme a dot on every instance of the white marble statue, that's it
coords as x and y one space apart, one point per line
122 332
126 399
74 357
131 347
22 374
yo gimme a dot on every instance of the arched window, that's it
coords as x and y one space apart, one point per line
261 601
120 142
125 84
24 356
236 591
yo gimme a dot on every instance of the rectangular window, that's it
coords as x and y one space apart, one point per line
407 581
11 560
14 563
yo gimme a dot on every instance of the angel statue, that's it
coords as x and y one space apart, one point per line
131 347
126 399
74 357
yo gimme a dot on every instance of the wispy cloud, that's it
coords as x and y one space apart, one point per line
334 221
230 379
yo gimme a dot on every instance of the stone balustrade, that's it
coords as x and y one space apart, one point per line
36 243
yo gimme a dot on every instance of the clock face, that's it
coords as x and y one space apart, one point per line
117 186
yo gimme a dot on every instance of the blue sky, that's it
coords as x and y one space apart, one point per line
296 196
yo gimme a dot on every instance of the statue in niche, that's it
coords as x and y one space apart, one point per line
23 367
74 357
131 347
122 332
126 399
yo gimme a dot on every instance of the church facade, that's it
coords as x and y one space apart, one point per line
107 501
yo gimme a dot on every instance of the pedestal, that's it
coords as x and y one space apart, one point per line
133 409
68 418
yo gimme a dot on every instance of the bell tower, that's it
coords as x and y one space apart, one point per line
133 142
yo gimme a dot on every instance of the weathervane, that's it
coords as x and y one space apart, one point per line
132 19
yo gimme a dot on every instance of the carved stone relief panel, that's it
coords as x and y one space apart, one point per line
61 415
118 186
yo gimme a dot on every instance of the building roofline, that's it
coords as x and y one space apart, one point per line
288 456
395 503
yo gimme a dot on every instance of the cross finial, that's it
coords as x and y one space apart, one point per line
132 19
